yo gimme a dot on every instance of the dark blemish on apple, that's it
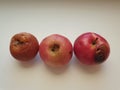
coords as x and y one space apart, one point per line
55 47
95 41
18 42
70 52
100 54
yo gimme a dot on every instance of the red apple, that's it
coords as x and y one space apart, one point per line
55 50
91 48
24 46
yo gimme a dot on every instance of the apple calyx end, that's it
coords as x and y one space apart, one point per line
55 47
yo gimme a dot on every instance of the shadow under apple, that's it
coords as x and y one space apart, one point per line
57 70
31 63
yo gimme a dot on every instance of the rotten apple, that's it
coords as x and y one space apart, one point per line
24 46
91 48
55 50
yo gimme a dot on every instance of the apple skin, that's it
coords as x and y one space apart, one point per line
24 46
55 50
91 48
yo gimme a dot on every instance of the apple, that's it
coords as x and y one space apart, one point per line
24 46
55 50
91 48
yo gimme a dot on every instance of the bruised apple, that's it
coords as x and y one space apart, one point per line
24 46
55 50
91 48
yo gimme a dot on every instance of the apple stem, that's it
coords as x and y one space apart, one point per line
94 42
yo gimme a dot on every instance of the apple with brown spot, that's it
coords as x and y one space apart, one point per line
55 50
24 46
91 48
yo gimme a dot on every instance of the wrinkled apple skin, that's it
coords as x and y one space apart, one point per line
56 50
91 48
24 46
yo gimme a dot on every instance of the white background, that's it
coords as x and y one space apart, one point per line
68 18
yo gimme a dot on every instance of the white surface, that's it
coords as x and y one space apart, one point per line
69 18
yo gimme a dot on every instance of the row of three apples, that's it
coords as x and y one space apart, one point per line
56 50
